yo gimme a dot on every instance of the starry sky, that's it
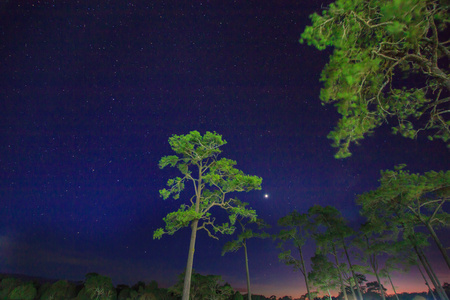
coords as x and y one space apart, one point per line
92 90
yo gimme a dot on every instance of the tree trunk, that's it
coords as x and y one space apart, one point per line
439 244
249 293
305 274
380 286
190 262
393 287
353 272
426 282
430 273
439 286
339 273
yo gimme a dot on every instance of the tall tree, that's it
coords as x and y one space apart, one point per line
212 179
336 232
382 206
323 274
296 233
374 241
241 241
420 198
374 42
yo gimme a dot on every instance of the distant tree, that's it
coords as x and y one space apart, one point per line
213 179
204 287
238 296
99 287
7 285
61 289
296 233
446 287
26 291
375 287
376 44
241 242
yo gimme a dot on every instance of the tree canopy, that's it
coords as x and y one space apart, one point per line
390 62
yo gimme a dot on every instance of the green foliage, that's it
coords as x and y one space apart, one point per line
61 289
407 201
323 274
213 178
246 233
374 42
23 292
7 285
296 233
99 287
407 195
238 296
204 287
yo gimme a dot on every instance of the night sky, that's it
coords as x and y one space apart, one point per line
90 92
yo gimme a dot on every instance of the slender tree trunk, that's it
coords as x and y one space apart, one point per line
329 295
249 293
352 290
426 282
430 273
380 286
393 287
339 273
305 274
374 266
194 226
439 286
190 262
439 244
353 272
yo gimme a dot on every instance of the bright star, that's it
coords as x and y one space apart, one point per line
266 195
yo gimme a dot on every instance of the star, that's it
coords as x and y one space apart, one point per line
266 196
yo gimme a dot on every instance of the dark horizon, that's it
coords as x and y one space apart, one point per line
91 93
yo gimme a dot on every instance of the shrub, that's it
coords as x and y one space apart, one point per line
23 292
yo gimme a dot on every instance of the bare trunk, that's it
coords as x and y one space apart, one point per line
353 272
305 274
426 282
380 286
439 244
190 262
339 273
430 273
439 288
393 287
249 293
194 226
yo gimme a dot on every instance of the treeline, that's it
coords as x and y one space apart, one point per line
99 287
